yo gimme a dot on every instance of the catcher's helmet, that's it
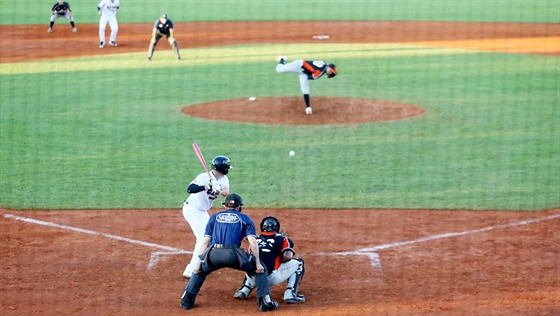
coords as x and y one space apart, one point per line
221 163
270 224
233 201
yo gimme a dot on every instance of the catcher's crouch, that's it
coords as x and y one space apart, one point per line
277 252
163 27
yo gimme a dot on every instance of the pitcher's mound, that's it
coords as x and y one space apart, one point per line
291 110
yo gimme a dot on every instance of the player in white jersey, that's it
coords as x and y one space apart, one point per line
203 192
108 9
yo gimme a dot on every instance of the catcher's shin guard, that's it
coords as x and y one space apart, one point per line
176 49
291 295
245 289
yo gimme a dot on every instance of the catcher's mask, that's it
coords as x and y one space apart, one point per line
233 201
333 71
221 163
270 224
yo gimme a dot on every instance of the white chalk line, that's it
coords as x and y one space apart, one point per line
375 260
371 253
154 257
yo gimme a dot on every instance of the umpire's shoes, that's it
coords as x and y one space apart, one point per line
187 301
266 304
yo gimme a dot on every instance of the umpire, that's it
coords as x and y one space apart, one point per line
163 27
221 248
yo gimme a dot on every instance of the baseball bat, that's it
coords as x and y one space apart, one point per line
201 159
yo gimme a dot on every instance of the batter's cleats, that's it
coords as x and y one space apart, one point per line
101 44
114 44
49 30
308 110
74 30
281 59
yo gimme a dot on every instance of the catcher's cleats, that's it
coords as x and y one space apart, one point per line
291 297
242 293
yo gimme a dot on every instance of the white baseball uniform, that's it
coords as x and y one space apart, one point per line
296 67
108 9
195 212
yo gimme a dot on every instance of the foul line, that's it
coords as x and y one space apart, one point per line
373 254
154 257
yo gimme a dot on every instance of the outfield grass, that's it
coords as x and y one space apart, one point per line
107 132
544 11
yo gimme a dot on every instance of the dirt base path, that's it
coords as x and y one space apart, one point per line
358 262
27 43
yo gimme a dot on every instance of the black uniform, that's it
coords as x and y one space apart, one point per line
162 29
61 8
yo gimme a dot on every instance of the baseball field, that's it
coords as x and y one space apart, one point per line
427 181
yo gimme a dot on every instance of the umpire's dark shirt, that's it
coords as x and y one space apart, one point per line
229 227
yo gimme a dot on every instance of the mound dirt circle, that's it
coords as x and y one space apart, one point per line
291 110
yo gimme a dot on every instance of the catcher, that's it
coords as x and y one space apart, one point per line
277 253
62 9
163 27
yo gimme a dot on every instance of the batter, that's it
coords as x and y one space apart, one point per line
203 192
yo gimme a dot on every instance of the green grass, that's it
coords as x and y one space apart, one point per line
544 11
107 132
115 138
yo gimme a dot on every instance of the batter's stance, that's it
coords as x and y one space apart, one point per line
108 9
62 9
307 70
163 27
203 192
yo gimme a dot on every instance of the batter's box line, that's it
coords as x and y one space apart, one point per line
154 256
375 260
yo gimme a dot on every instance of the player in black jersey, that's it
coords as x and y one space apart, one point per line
62 9
277 253
163 27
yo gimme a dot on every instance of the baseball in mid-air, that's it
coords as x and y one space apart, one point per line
292 153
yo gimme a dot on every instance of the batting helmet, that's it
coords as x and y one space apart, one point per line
270 224
233 201
221 163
